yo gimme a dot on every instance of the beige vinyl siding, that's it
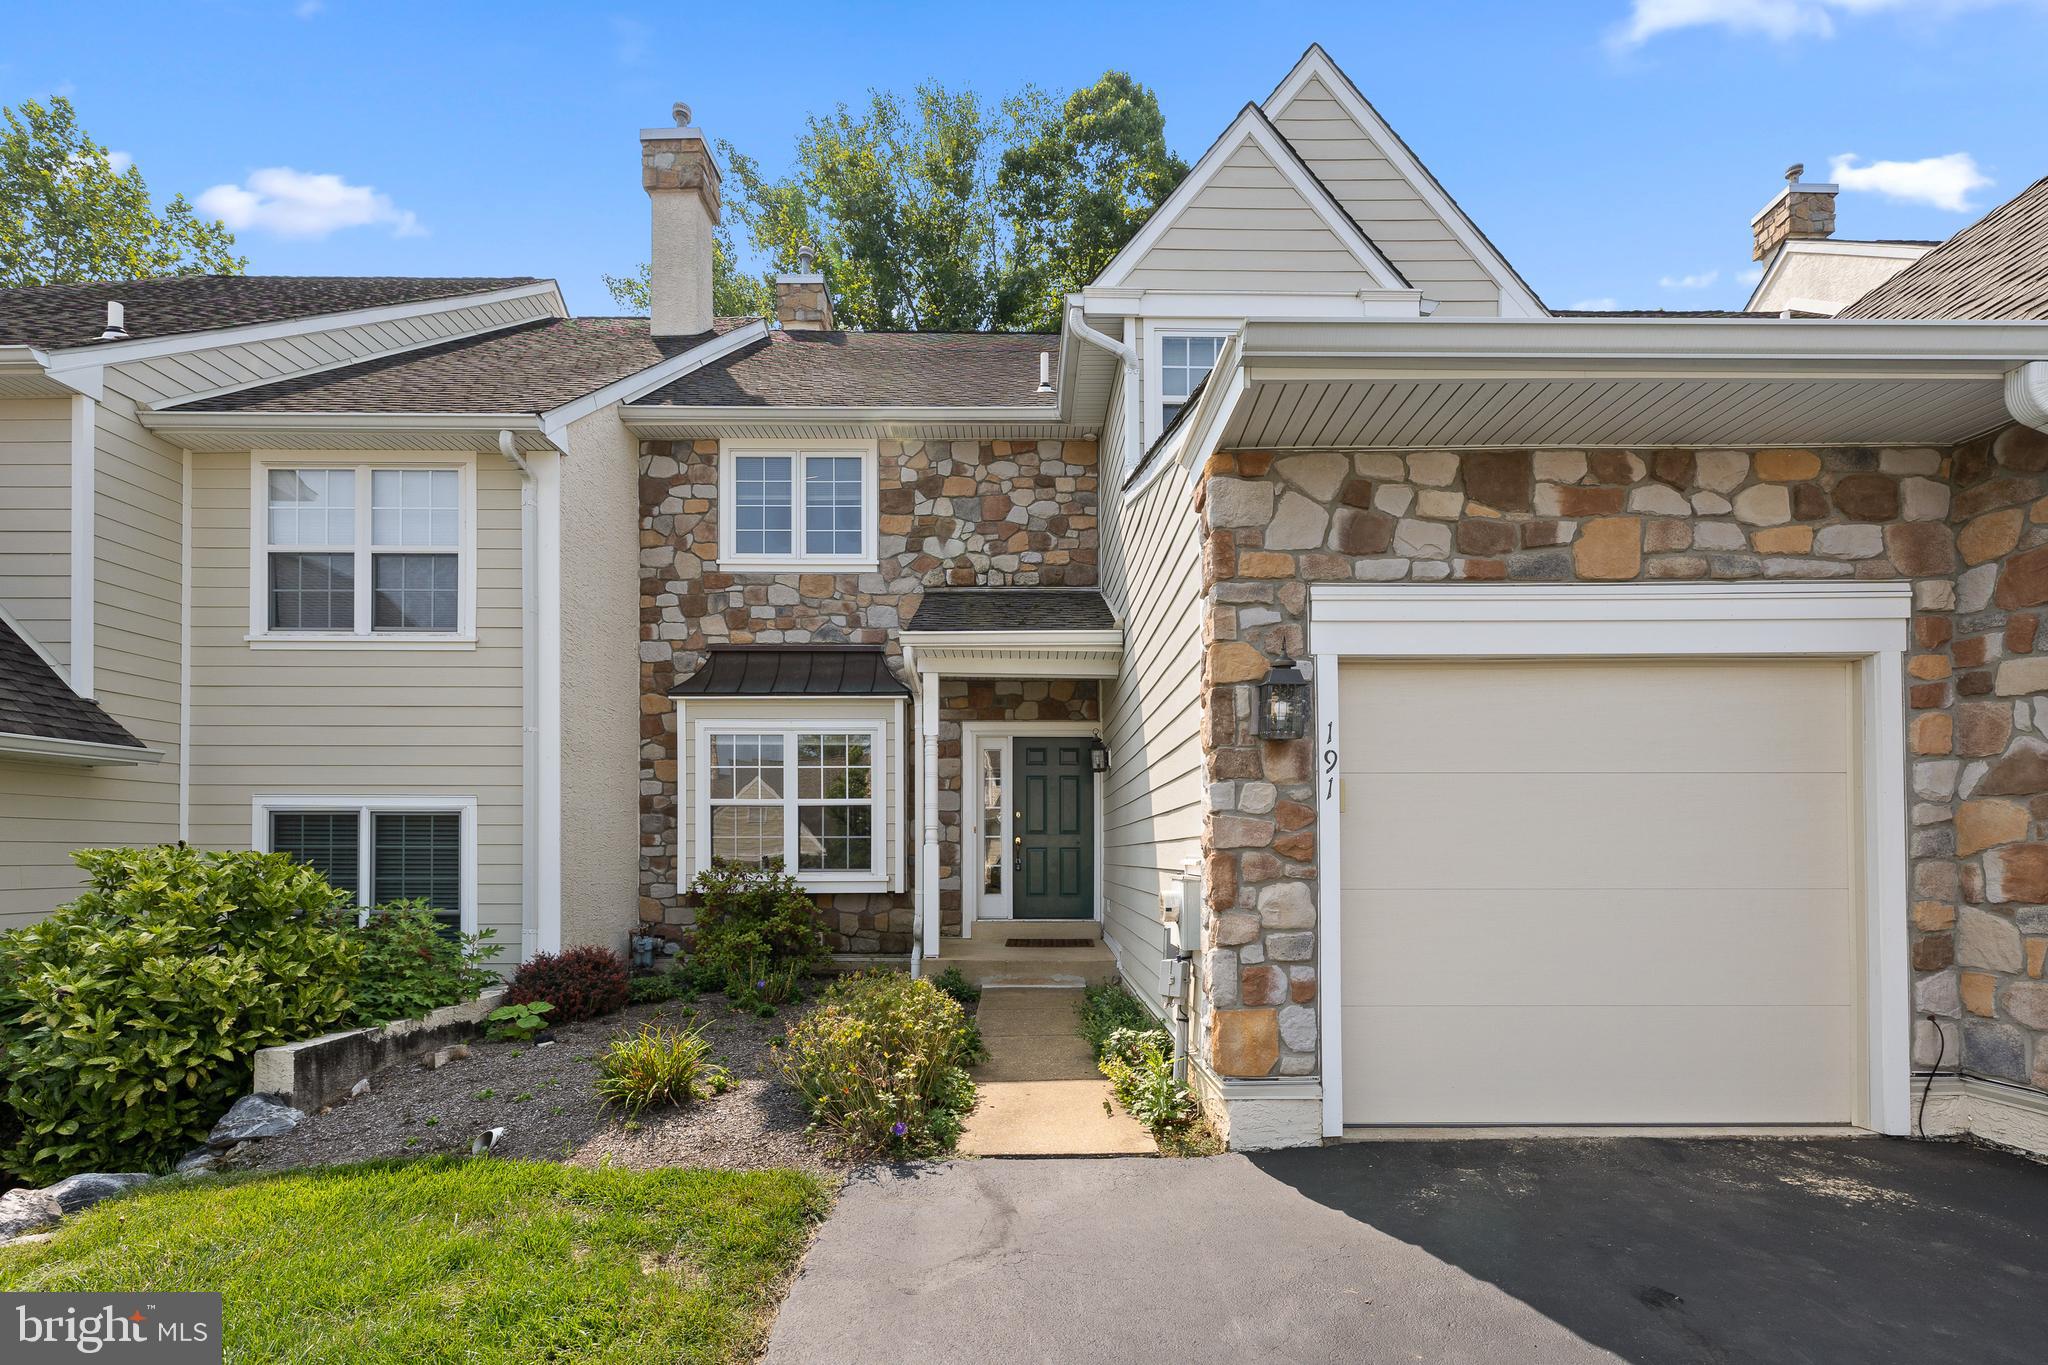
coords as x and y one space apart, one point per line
46 812
1152 795
1385 204
895 767
175 377
368 722
35 519
1249 228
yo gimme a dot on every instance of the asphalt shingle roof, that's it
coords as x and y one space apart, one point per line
55 315
1012 609
793 671
871 369
34 700
529 368
1996 268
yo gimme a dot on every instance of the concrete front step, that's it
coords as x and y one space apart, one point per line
988 959
1040 1092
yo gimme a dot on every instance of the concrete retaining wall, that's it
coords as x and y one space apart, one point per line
319 1071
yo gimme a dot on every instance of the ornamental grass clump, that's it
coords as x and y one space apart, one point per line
129 1019
880 1063
658 1066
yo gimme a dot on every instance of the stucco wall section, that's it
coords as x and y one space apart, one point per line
952 514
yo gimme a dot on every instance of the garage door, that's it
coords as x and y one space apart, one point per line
1612 892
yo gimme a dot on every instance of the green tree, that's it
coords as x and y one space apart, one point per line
68 215
898 200
1077 190
734 293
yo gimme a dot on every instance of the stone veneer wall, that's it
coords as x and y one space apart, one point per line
1968 528
953 514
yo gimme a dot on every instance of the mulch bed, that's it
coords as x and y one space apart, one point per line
542 1097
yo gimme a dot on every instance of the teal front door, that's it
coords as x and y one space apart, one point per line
1052 829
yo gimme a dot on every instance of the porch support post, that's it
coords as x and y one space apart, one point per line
928 809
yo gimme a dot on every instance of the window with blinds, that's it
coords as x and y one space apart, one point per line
328 841
417 855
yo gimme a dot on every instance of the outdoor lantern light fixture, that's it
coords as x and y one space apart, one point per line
1283 703
1098 757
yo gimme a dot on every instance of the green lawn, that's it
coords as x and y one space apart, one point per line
454 1260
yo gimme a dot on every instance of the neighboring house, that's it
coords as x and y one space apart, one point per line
1674 731
1807 269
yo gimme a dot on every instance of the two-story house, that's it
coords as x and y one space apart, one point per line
1439 708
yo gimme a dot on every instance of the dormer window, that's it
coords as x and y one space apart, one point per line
797 509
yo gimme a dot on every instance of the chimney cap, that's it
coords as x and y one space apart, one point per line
1794 171
681 113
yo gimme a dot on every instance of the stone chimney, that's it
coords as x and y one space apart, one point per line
1801 210
801 302
680 177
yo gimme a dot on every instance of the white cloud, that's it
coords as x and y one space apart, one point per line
1943 181
303 204
1698 281
306 9
1595 306
120 161
1779 20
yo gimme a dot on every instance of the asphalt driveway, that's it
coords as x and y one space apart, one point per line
1853 1249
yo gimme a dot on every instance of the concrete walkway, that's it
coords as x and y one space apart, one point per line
1040 1093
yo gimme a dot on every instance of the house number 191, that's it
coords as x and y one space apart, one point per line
1330 760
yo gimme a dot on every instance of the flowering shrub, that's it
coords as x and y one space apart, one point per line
658 1066
410 965
129 1018
880 1063
581 983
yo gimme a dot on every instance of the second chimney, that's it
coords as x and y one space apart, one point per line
681 179
1801 210
802 303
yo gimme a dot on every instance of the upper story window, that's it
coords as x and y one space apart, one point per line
1184 362
797 508
346 552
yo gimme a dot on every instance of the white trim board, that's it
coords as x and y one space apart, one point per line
83 544
1252 125
972 734
1864 623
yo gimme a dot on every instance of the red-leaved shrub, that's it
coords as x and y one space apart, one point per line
581 983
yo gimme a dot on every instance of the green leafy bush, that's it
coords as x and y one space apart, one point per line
658 1066
659 987
1105 1009
954 982
758 933
129 1018
1139 1064
410 964
879 1062
581 983
517 1023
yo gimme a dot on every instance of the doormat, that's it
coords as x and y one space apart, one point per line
1049 943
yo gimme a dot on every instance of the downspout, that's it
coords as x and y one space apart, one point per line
2026 394
1128 354
529 718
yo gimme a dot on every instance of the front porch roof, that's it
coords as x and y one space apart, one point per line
1521 383
1014 633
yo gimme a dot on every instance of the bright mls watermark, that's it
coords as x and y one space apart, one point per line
165 1329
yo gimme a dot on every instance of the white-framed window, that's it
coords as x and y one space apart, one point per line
349 552
797 507
810 794
381 848
1181 360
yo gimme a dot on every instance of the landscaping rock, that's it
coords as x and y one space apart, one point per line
197 1161
84 1190
24 1211
253 1117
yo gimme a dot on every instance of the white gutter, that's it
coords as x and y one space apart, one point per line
82 752
175 419
1134 436
645 415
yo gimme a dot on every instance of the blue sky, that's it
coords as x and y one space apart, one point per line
1614 149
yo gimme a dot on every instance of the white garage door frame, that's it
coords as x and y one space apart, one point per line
1863 623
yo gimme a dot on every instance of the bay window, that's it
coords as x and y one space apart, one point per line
809 796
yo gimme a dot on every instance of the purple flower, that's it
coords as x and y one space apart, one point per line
899 1128
760 985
